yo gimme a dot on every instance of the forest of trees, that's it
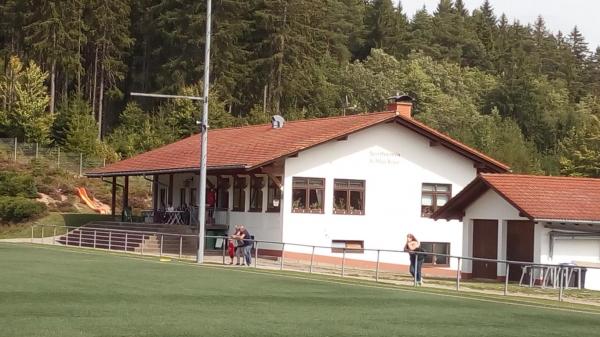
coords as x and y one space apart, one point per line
518 92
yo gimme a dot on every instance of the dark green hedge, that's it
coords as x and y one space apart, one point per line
14 209
15 184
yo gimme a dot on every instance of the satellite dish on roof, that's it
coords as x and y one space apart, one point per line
277 122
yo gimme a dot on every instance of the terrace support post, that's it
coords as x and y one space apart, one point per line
80 236
312 259
126 241
170 196
458 275
113 193
15 152
155 192
58 158
343 261
37 150
377 267
282 256
109 240
94 239
125 195
506 271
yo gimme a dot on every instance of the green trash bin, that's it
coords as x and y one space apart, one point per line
209 243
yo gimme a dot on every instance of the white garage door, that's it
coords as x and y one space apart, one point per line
580 250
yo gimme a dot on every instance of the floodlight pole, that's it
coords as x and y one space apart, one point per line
204 130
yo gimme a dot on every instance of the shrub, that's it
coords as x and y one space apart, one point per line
14 184
14 209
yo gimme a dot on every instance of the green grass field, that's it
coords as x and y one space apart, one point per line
56 291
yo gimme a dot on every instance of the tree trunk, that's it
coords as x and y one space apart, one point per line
94 92
100 99
52 85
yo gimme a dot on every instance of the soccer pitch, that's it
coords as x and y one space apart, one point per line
56 291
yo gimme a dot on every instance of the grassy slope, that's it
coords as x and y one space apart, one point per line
57 292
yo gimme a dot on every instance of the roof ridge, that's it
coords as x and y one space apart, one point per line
298 121
541 176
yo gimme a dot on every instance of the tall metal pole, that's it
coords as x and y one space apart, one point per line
204 130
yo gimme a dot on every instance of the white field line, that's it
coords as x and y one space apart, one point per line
516 302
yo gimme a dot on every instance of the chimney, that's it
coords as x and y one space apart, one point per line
401 105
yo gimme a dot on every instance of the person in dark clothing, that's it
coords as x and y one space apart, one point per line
246 243
413 247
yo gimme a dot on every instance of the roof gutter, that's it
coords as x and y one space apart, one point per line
583 222
163 171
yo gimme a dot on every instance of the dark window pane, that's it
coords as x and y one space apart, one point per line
356 201
316 200
298 198
340 202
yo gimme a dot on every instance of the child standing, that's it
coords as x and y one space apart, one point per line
231 249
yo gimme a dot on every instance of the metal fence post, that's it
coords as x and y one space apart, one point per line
343 260
180 245
377 267
458 275
507 270
42 233
256 254
15 153
32 227
37 150
67 237
58 158
142 244
94 239
312 259
54 236
80 236
126 241
161 243
282 256
81 164
109 240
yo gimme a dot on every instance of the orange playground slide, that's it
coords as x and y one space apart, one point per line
92 203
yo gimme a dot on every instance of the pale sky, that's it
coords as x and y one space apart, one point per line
560 15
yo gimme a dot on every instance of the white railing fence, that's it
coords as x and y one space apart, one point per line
312 259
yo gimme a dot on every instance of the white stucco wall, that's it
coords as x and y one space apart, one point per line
394 162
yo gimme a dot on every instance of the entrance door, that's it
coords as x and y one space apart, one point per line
519 245
485 245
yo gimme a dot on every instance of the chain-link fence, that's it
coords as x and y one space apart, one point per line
52 157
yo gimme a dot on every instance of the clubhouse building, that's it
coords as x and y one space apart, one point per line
356 182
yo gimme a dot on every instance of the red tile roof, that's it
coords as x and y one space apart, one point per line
253 146
536 197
